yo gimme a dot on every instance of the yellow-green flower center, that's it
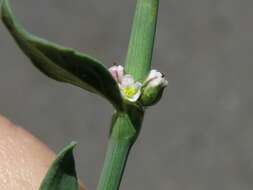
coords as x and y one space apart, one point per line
129 91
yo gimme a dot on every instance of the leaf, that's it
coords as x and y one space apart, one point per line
62 174
63 64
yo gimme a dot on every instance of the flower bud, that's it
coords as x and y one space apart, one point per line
117 71
153 88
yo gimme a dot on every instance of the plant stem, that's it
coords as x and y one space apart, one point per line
126 126
114 165
140 49
121 140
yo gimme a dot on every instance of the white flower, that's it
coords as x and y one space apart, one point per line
117 71
130 89
155 78
148 93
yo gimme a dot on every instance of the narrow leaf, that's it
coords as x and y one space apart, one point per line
62 174
63 64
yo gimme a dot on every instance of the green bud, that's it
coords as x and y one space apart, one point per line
153 88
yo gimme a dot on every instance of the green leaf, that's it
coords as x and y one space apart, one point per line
62 174
63 64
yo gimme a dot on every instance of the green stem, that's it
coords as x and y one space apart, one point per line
138 63
140 49
114 165
121 140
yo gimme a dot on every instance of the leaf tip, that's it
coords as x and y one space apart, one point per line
73 144
69 148
62 173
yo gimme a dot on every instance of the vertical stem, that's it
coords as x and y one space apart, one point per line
138 63
114 165
121 140
140 49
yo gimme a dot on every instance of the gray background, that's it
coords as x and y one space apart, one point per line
199 137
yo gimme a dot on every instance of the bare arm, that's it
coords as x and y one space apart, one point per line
24 160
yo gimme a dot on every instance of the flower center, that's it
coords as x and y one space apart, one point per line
129 91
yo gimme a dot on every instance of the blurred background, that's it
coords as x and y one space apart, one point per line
199 137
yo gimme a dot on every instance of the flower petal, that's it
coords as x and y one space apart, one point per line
154 74
117 72
156 78
127 80
132 92
137 85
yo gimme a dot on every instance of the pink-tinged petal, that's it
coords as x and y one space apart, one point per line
117 72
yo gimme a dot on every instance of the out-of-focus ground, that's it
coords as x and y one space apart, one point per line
198 137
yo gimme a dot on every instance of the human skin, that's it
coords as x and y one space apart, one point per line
24 160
